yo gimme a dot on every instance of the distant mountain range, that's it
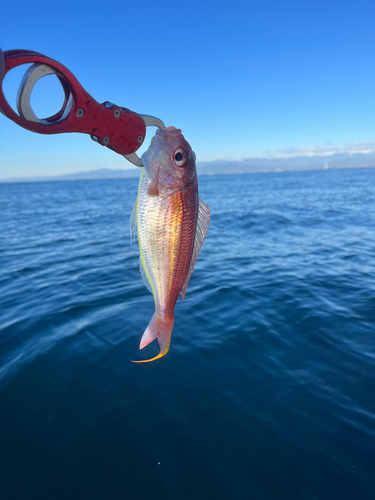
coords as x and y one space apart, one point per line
249 165
315 162
102 173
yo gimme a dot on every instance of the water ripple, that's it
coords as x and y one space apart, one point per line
267 391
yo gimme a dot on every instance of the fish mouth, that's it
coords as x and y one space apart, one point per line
169 133
173 130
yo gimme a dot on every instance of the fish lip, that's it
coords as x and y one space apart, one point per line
150 121
168 134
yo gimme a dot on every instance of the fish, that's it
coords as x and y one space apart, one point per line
172 223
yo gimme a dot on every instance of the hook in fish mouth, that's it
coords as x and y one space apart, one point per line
150 121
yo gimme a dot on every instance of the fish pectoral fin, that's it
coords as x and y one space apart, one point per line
153 188
160 328
200 234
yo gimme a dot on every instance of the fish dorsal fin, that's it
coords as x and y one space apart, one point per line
133 222
203 223
144 276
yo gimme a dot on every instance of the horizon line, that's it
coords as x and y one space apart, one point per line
65 177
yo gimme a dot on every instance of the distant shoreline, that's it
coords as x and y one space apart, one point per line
134 174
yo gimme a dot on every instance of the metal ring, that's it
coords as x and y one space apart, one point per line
32 75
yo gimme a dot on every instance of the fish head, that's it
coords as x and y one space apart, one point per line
170 159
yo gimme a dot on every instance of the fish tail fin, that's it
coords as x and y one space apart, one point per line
160 328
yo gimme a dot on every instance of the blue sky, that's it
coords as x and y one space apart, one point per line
241 78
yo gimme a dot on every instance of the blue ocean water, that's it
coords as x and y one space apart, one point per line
268 390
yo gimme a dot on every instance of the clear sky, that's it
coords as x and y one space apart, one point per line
241 78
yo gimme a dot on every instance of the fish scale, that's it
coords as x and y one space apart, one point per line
172 223
166 231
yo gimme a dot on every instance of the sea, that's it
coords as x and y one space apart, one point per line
268 390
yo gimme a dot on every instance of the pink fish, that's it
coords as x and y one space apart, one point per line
172 223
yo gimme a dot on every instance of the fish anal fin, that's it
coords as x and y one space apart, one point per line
203 223
133 222
144 276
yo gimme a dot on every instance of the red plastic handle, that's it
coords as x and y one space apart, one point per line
115 127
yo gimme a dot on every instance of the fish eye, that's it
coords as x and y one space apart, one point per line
180 157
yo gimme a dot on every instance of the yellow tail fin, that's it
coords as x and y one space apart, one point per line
160 328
